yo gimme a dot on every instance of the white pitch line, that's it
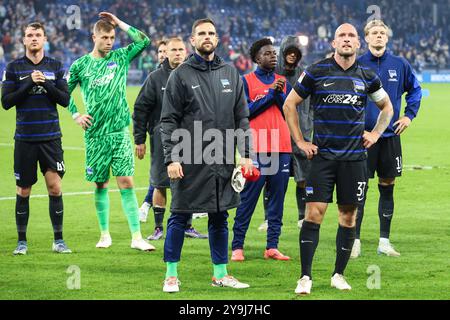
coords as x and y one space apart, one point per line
67 194
420 167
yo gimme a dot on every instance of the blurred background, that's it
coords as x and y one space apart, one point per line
420 29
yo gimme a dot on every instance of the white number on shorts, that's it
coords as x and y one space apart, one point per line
399 164
60 166
361 188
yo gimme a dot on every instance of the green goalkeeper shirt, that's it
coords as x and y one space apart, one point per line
103 86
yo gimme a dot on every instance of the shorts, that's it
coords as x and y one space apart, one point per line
350 178
158 170
112 151
385 157
27 154
300 167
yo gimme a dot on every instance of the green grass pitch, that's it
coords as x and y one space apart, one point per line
420 231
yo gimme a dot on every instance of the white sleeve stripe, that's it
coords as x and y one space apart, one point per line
378 95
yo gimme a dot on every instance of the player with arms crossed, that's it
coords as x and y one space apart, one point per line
102 75
339 87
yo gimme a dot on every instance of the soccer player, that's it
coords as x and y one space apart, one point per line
339 88
385 157
148 201
266 93
288 66
210 92
102 77
35 84
146 117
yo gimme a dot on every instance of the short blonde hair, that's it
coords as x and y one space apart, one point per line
174 39
376 23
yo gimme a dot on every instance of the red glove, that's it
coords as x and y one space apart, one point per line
252 178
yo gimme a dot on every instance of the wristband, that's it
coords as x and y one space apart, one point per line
75 115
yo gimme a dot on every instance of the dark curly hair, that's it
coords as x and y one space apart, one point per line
257 45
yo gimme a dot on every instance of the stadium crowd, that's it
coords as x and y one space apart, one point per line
420 33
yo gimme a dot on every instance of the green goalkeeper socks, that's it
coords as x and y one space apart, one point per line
102 208
171 270
130 206
220 271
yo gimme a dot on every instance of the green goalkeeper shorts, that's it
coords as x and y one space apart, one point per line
112 151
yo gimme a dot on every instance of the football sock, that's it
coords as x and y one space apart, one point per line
56 209
220 271
360 215
386 209
149 196
309 239
189 222
345 238
22 215
301 202
159 217
359 219
102 207
130 206
171 269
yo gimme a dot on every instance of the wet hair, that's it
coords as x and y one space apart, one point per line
160 43
33 25
201 21
257 45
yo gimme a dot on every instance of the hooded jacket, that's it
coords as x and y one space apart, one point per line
201 96
148 105
305 112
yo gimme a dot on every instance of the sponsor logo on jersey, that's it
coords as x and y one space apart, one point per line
103 81
343 99
37 90
49 75
392 75
111 65
358 85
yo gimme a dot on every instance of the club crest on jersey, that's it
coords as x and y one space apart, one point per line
17 175
392 75
89 171
226 85
309 191
111 65
49 75
358 85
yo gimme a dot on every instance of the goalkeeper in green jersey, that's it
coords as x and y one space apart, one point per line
102 75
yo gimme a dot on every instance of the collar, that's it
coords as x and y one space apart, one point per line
353 66
31 62
201 60
263 72
375 58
